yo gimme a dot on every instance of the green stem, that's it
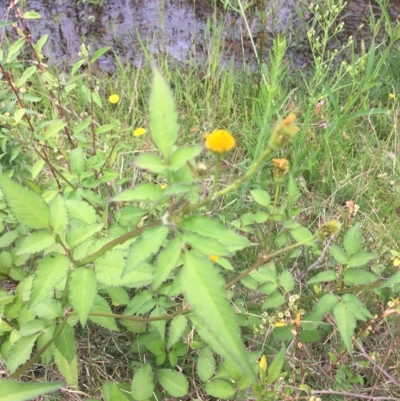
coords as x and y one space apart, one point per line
216 173
271 221
38 354
264 259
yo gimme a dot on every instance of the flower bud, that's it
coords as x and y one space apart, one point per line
329 229
283 133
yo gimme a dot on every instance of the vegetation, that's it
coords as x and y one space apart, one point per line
234 237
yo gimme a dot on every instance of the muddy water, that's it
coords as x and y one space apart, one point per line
176 27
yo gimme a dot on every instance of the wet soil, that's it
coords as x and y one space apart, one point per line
176 27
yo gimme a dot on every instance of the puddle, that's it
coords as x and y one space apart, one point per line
176 27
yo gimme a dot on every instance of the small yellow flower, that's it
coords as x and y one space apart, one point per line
283 133
263 363
281 168
392 96
113 99
139 131
220 141
164 185
280 324
214 258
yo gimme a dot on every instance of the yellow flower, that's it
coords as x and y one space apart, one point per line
329 229
139 132
281 168
391 96
220 141
164 185
113 99
214 258
263 363
283 133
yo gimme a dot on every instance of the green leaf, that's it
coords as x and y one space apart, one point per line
143 383
324 305
68 370
27 206
146 245
101 305
81 210
65 343
44 337
151 162
116 394
261 197
357 307
99 53
159 325
355 276
352 240
141 303
8 238
301 234
58 215
395 279
50 271
275 368
204 290
36 242
37 168
32 327
162 115
209 228
338 254
119 296
274 300
205 245
360 259
266 273
176 330
183 155
293 193
346 323
77 161
173 382
221 389
167 261
48 309
25 76
329 275
103 128
286 281
19 391
77 235
15 47
82 292
20 352
205 366
31 15
54 128
146 192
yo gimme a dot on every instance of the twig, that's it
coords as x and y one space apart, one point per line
318 263
357 396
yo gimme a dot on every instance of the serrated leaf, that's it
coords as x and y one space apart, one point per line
44 337
27 206
175 383
101 305
36 242
352 240
141 303
159 325
142 386
221 389
146 192
68 370
77 161
205 245
65 343
119 296
146 245
273 300
50 271
301 234
394 280
176 330
151 162
48 309
205 366
116 394
183 155
209 228
167 261
357 307
163 116
204 290
82 292
346 323
266 273
261 197
81 210
32 327
329 275
360 259
324 305
77 235
286 281
338 254
8 238
355 276
275 367
37 168
58 215
20 391
20 352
